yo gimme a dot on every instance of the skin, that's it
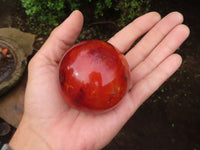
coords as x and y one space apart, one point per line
49 123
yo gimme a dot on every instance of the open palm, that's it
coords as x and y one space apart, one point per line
151 61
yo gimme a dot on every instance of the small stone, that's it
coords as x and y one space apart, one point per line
9 56
40 39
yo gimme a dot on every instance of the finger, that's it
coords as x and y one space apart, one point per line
146 87
169 44
152 38
63 37
128 35
154 80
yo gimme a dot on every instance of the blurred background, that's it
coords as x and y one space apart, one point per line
170 118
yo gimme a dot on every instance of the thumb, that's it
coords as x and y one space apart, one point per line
62 37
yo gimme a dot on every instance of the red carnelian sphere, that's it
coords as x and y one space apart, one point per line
94 76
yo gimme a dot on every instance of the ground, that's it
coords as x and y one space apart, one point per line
170 118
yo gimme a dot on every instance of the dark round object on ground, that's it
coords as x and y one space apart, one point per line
4 128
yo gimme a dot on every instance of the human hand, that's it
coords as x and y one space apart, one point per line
49 123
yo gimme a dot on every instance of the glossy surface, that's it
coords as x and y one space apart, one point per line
94 76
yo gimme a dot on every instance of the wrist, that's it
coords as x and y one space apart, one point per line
27 138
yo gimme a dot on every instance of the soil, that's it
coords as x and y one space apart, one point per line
170 118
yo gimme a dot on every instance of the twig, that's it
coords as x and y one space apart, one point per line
102 22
